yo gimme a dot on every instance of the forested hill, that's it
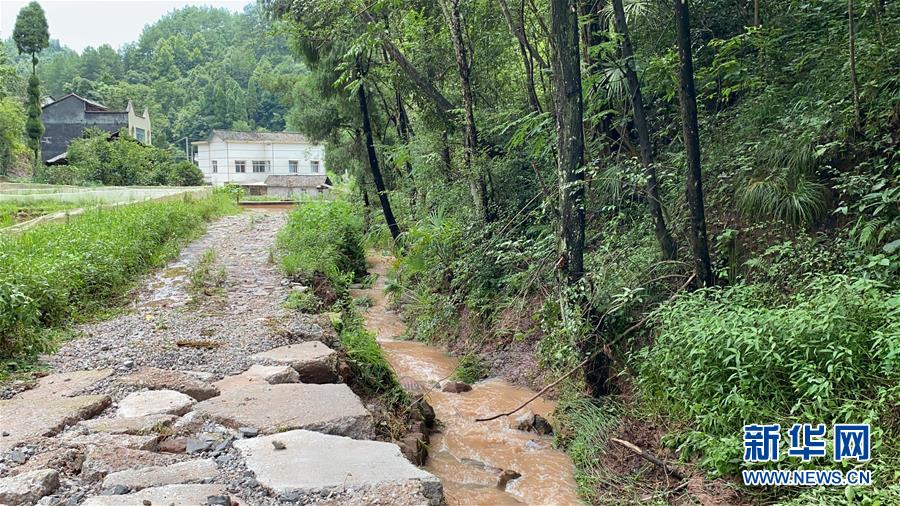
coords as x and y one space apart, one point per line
196 69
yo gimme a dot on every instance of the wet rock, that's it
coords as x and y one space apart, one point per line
46 416
102 460
541 425
507 476
173 445
28 488
153 378
178 495
414 447
530 422
313 461
191 471
154 402
427 412
331 408
132 425
456 387
313 360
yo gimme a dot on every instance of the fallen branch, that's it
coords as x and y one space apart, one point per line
649 457
571 371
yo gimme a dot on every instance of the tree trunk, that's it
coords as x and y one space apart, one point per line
518 31
569 137
756 21
477 184
666 243
373 163
694 191
853 77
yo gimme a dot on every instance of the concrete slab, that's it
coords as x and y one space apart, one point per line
260 374
169 495
134 441
153 378
65 384
28 488
45 416
332 408
191 471
311 462
154 402
133 425
313 360
102 460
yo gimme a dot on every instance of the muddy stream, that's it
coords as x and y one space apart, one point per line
466 455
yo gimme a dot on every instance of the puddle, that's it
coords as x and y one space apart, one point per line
470 456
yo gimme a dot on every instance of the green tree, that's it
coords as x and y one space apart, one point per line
32 36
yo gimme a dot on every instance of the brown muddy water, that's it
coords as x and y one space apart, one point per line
468 456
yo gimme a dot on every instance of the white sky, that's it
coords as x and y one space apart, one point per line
79 24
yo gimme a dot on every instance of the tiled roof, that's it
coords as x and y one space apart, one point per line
96 105
233 135
299 181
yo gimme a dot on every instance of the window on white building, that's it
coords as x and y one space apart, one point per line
240 166
215 166
260 166
292 166
314 166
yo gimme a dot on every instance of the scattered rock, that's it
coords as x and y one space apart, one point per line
278 445
541 425
191 471
116 490
135 442
168 495
189 423
427 412
507 476
173 445
132 425
218 500
332 409
18 457
530 422
414 447
128 363
154 402
153 378
456 387
28 488
197 445
248 431
46 416
313 361
313 461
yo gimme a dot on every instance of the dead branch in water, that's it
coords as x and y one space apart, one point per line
571 371
649 457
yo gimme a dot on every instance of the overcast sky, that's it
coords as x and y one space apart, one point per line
79 24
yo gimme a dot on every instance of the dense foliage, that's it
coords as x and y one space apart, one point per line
119 162
55 272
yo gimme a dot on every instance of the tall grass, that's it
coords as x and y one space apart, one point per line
56 272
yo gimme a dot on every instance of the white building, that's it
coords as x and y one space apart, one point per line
281 164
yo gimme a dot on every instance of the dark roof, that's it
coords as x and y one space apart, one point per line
233 135
94 105
299 181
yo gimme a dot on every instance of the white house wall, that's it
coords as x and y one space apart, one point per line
277 154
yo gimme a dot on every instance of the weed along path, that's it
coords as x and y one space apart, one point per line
484 463
204 390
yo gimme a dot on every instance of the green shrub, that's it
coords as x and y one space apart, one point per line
323 237
185 174
368 366
828 353
470 368
305 302
55 272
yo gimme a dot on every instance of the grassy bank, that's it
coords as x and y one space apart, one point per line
17 212
57 273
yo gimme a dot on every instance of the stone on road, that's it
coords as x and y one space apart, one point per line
154 402
28 488
192 471
312 462
271 374
168 495
331 408
153 378
313 360
22 419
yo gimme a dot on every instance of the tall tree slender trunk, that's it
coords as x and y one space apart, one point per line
569 107
518 31
373 163
694 191
666 243
756 20
477 183
854 79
